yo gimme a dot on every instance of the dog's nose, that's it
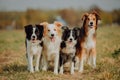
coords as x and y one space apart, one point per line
52 35
91 23
33 36
71 39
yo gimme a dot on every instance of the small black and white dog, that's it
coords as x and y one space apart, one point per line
68 48
34 44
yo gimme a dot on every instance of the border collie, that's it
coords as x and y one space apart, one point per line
87 41
52 40
68 48
34 44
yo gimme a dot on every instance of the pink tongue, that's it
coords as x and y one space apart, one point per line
70 42
52 39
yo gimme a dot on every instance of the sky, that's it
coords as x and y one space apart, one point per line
22 5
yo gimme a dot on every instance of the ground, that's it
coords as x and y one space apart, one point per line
13 65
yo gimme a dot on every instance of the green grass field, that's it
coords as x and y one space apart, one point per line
13 65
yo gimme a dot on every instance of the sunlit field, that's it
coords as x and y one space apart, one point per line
13 65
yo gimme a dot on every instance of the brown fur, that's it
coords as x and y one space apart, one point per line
51 48
45 24
58 27
81 50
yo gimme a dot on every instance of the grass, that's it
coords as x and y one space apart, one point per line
13 65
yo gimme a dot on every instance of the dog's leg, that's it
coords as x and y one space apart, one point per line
41 62
61 65
61 69
72 67
76 63
89 58
38 59
28 66
56 61
37 62
45 63
30 62
93 57
81 63
94 61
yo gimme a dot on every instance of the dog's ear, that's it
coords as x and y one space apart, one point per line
45 24
65 30
41 30
77 31
97 15
40 27
64 27
58 24
27 28
84 16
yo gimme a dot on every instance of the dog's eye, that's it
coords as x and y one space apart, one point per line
48 30
54 29
37 33
93 18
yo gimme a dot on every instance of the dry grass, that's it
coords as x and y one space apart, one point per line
13 64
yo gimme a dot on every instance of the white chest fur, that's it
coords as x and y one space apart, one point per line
89 42
33 48
52 48
70 48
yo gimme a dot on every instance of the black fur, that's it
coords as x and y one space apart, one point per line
66 33
28 31
62 45
65 57
38 31
41 29
41 44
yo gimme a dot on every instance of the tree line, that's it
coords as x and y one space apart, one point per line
17 20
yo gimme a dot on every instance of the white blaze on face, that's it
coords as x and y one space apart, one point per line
71 37
52 30
33 34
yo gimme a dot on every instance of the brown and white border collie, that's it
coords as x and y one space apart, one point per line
52 40
87 41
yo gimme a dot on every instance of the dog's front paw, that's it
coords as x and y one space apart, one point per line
61 72
44 69
36 69
31 71
81 71
72 72
56 72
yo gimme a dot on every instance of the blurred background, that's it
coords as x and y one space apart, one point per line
15 14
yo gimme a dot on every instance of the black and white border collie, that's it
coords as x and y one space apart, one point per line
68 48
34 44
